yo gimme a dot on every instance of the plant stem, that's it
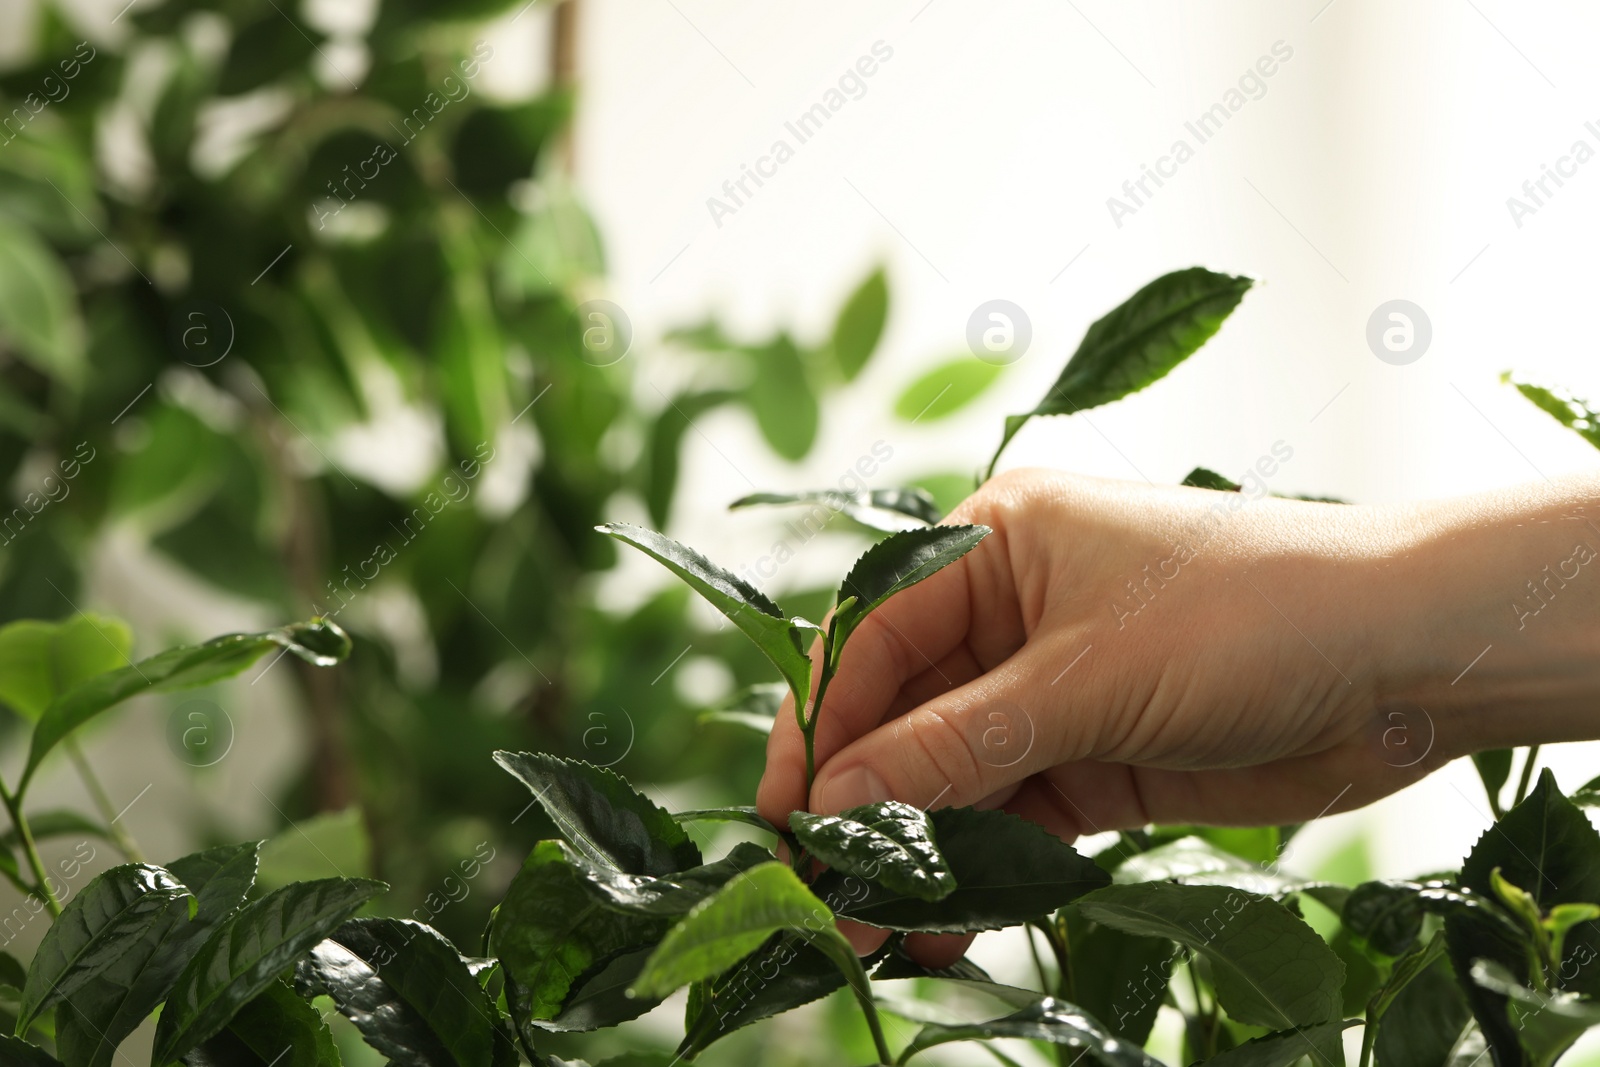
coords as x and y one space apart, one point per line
844 956
13 806
97 792
1527 775
809 728
1369 1038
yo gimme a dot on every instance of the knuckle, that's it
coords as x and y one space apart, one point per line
935 739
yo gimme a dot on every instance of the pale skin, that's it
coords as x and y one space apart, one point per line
1277 661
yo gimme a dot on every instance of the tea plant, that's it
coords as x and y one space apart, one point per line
623 909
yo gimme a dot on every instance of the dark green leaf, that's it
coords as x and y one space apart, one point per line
779 639
739 813
319 642
1007 871
1422 1024
860 325
897 563
430 990
551 930
1388 915
91 1026
1547 1024
1050 1020
1283 1048
41 660
1115 976
15 1052
1559 404
946 389
735 921
115 911
275 1029
1269 967
890 510
1139 341
602 816
1204 478
246 953
1494 767
890 843
599 998
669 897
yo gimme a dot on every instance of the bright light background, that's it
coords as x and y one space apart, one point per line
1376 165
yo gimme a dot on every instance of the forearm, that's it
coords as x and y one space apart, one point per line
1489 614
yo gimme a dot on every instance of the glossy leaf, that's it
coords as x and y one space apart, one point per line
91 1026
1284 1048
860 324
745 606
275 1029
673 896
1576 415
1007 871
734 922
246 953
600 998
1196 861
1138 342
551 929
319 642
1547 1024
426 1008
41 660
897 563
890 510
890 843
1053 1021
1117 977
602 816
117 909
740 813
945 389
1388 916
1269 968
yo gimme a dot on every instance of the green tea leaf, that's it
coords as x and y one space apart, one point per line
247 952
599 998
15 1052
781 398
432 1011
118 909
41 660
860 325
674 896
734 922
890 843
275 1029
1118 977
1388 916
897 563
890 510
1494 768
1546 1024
1204 478
946 389
745 606
551 929
1269 968
91 1026
1138 342
1053 1021
739 813
1423 1022
1559 404
1196 861
1284 1048
1007 871
319 642
602 816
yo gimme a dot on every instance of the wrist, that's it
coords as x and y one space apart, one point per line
1487 615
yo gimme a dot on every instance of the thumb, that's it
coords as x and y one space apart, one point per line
956 749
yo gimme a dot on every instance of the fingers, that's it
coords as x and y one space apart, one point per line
958 748
915 631
936 951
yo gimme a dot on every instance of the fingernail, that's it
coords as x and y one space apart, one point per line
852 788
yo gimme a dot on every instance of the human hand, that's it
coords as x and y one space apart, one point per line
1115 655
